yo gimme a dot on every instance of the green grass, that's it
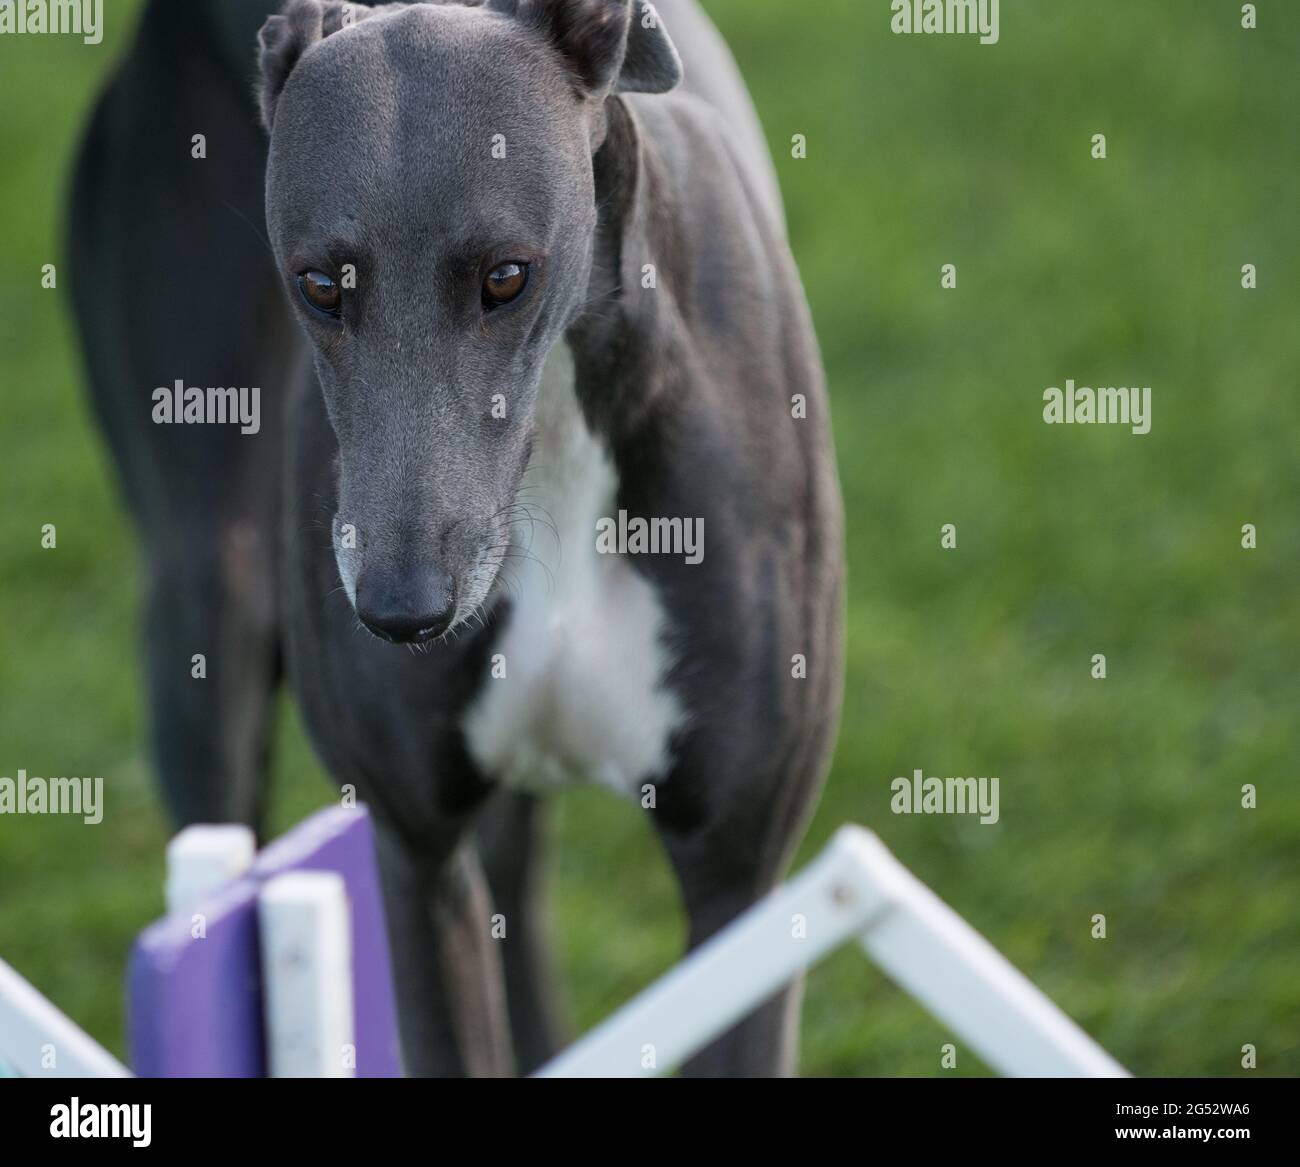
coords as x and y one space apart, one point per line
1120 796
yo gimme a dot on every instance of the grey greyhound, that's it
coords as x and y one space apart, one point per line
537 249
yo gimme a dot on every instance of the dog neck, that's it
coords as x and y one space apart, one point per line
624 340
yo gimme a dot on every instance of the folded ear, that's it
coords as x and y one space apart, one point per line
285 37
651 64
613 46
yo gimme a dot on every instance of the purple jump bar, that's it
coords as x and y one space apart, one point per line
194 1007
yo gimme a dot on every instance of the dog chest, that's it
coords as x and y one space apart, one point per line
576 694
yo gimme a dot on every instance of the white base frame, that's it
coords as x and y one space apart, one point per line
854 889
38 1041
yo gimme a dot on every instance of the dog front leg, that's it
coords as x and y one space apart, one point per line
446 968
510 836
721 874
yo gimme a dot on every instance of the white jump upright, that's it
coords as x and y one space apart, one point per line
38 1041
201 859
306 938
854 889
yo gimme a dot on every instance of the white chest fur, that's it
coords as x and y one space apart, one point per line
582 698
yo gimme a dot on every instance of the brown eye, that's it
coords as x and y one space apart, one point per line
320 292
504 284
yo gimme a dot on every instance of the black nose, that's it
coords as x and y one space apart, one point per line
408 605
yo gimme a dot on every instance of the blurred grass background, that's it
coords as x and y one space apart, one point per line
1120 796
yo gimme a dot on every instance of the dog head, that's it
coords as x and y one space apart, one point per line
431 206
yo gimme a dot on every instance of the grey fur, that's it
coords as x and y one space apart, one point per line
381 152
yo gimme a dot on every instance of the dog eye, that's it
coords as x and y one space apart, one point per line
504 284
320 292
